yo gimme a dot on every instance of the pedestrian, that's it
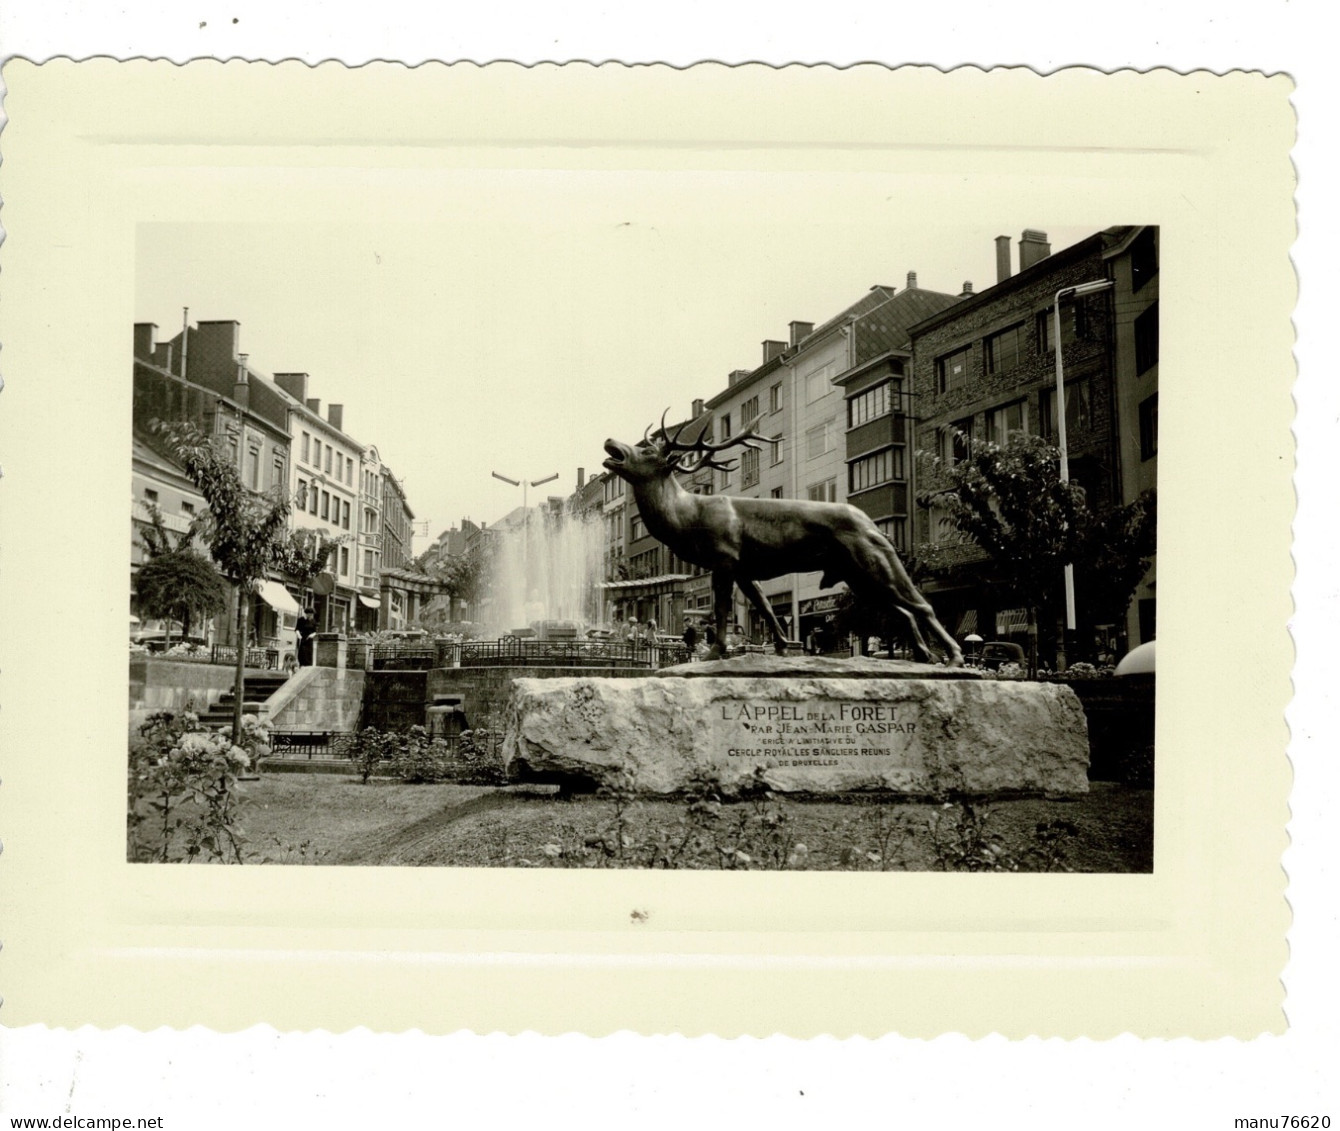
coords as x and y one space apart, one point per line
690 637
306 638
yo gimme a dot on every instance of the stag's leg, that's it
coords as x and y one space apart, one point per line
750 589
723 590
880 565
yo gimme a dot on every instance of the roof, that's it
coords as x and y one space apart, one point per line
883 319
1024 278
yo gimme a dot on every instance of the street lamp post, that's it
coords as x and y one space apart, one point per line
525 527
1073 293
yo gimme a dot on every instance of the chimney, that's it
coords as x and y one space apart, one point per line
799 332
739 374
581 478
314 403
698 407
242 383
772 349
1003 271
146 336
294 384
335 414
911 280
967 288
1033 248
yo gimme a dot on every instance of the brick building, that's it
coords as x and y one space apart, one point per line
984 370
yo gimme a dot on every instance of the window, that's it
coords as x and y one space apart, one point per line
725 426
1076 322
820 440
330 452
278 472
1078 415
301 495
1005 349
188 509
314 499
1149 427
951 371
1144 259
819 382
254 468
775 493
956 442
316 454
344 561
150 495
775 398
637 528
825 492
1147 339
344 518
895 530
872 470
367 561
1006 421
749 412
349 470
749 467
778 450
869 405
325 505
306 447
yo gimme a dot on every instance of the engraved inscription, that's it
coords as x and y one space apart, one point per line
809 734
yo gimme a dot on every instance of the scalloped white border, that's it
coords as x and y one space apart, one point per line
1204 935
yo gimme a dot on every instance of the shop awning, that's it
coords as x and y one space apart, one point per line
967 623
1011 620
278 598
370 602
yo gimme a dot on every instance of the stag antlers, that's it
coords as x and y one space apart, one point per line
678 454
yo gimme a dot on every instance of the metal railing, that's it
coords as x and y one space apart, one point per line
266 658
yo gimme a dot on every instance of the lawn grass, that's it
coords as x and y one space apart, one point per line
336 820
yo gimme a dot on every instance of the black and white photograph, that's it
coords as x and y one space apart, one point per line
490 543
638 550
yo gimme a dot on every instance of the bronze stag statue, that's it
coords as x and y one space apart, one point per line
744 541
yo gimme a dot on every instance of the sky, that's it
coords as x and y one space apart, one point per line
518 329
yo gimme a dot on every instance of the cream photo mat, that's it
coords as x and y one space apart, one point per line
92 150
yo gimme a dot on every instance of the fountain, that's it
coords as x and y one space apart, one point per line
545 570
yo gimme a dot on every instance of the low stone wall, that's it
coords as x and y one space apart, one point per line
319 699
484 691
173 685
1120 712
395 700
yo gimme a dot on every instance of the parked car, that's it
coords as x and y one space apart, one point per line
995 654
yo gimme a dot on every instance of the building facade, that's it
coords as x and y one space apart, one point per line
984 370
324 488
1132 256
200 377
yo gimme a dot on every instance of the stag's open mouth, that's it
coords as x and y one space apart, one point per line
618 455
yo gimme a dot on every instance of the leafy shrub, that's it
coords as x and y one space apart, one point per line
181 792
367 749
418 758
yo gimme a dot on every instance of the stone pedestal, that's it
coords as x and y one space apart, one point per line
803 724
331 650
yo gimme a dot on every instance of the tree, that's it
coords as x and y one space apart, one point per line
175 583
461 576
246 531
306 553
179 585
1009 499
1011 502
1114 555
